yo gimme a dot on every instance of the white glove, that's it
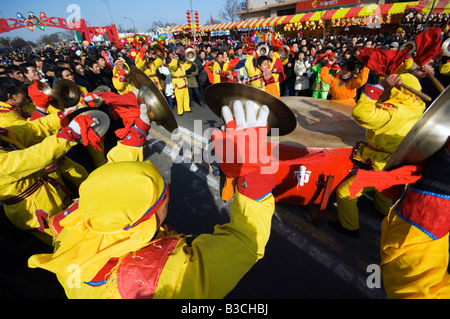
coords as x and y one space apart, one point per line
75 127
144 114
246 119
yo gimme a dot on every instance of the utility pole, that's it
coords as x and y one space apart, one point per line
110 15
193 24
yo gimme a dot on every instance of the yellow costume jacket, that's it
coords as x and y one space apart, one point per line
386 123
150 69
178 70
344 91
122 86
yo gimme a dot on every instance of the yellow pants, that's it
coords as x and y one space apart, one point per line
182 97
348 207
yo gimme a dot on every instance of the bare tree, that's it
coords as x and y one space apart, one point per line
231 7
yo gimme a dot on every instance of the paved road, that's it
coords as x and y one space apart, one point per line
301 261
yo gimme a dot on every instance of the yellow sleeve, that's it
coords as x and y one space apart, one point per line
18 164
216 75
125 153
251 70
31 132
413 265
361 79
369 114
140 63
216 262
173 65
120 86
325 75
445 69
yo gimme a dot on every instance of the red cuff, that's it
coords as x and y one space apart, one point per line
426 211
36 115
137 135
372 92
256 185
68 134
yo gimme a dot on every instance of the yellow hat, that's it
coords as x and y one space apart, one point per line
109 222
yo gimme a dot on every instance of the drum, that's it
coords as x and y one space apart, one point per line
321 145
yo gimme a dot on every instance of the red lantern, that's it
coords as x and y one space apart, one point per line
189 24
197 20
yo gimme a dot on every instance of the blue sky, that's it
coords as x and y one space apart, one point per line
96 13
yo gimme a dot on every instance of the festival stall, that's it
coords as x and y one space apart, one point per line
412 16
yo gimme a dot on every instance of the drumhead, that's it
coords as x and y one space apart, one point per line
322 124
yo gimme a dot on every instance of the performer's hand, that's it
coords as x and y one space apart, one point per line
245 119
89 99
41 100
138 133
423 71
267 74
390 82
81 129
245 139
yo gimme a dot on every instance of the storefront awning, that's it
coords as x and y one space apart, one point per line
441 6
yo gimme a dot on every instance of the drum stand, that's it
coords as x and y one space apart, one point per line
316 216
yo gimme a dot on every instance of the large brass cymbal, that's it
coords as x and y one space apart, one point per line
56 101
158 108
223 94
68 91
428 135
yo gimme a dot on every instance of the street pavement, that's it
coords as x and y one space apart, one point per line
302 261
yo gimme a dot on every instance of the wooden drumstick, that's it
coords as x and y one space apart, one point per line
420 94
436 82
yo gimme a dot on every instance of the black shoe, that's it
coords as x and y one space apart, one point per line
338 227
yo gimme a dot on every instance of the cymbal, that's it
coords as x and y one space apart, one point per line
56 101
68 91
158 108
428 135
101 116
223 94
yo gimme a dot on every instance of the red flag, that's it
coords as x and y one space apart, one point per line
212 21
382 61
428 45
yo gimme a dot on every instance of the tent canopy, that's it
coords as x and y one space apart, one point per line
441 6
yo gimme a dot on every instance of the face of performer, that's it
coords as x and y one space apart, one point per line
95 68
345 72
161 213
264 66
67 75
18 99
32 74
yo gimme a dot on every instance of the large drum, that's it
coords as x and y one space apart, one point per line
321 145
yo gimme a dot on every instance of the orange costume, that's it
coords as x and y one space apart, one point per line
344 90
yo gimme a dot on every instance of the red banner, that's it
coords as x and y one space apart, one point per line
322 4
